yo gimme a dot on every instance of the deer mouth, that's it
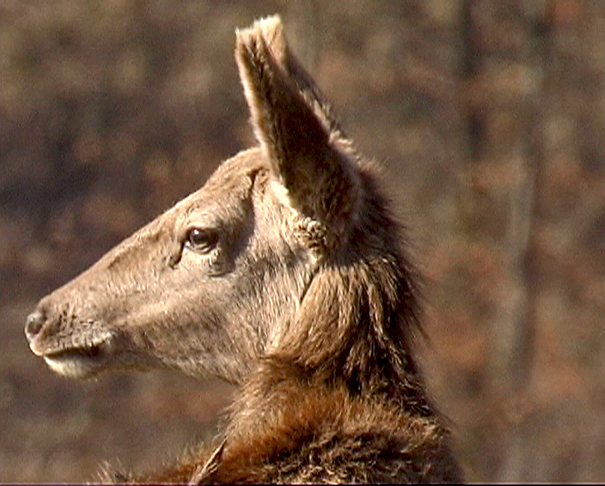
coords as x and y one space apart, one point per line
78 361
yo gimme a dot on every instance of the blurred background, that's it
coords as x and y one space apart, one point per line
488 117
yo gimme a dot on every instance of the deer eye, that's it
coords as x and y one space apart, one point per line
201 240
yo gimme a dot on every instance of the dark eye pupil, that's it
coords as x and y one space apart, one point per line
201 239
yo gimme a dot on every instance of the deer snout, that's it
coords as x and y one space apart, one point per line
34 324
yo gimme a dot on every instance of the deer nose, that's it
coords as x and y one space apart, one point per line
33 324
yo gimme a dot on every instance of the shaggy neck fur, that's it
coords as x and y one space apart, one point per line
353 329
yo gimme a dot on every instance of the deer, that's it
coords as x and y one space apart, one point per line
285 275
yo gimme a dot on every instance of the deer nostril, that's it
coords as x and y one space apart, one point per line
33 324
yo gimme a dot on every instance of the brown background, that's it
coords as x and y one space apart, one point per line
489 118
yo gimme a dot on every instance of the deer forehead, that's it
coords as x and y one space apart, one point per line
222 196
234 169
230 182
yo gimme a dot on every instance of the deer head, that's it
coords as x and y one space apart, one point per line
216 281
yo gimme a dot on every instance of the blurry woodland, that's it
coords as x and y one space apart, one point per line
488 117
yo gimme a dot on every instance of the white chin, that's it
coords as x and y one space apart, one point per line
72 367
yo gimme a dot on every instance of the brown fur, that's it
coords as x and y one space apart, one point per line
293 286
320 435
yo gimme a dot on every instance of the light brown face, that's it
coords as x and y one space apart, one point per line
216 281
195 289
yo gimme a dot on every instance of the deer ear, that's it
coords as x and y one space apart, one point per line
293 128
